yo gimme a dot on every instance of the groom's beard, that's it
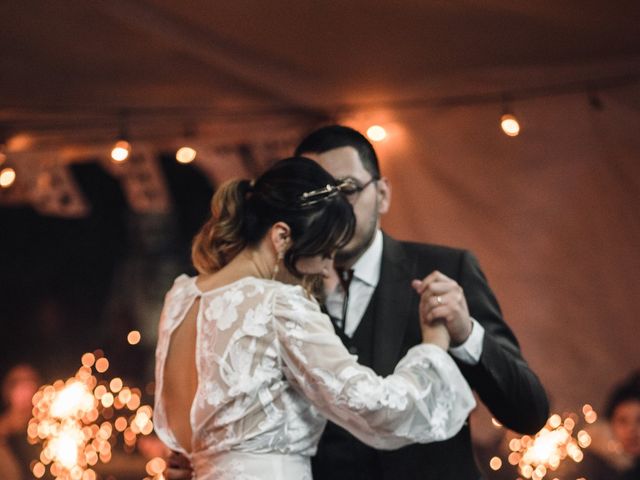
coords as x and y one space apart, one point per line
348 255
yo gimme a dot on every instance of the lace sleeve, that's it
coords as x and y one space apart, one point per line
426 399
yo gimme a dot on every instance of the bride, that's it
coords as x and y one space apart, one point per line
248 368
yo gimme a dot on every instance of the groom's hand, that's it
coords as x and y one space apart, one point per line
179 467
441 298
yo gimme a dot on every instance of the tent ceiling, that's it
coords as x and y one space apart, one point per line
75 61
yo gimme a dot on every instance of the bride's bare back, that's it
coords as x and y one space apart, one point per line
181 377
180 372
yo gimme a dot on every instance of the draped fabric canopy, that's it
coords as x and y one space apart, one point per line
552 214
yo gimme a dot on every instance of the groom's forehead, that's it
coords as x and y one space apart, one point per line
340 162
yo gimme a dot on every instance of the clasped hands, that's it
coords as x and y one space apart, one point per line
444 315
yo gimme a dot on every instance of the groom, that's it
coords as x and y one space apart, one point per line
379 323
376 313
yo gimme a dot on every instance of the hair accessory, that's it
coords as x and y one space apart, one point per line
314 196
347 187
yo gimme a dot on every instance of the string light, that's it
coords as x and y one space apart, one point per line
7 177
120 151
122 148
376 133
508 121
510 125
186 154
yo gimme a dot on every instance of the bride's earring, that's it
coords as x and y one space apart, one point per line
276 268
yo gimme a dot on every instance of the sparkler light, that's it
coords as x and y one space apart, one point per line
71 419
538 456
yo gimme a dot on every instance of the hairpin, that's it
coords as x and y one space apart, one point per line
314 196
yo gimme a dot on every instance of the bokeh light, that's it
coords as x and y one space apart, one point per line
120 151
133 338
186 155
536 457
510 125
7 177
71 420
376 133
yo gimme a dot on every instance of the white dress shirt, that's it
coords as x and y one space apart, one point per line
366 274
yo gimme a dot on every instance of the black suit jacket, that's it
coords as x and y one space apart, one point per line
502 378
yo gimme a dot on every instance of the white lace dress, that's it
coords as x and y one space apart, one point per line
271 371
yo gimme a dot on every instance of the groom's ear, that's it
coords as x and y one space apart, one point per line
384 195
280 237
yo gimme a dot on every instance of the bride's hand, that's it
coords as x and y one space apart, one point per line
435 332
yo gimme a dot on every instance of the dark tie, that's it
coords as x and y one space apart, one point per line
345 276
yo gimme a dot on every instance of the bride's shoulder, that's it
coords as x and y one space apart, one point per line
294 296
182 284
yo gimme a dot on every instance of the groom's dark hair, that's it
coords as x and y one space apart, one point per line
336 136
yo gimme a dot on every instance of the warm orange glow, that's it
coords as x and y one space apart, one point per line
107 400
510 125
554 421
121 151
73 399
89 475
186 155
496 423
536 456
121 424
495 463
115 385
133 337
124 396
134 401
584 439
590 416
38 470
7 177
376 133
156 466
102 365
64 422
99 391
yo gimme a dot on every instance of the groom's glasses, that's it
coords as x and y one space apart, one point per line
349 187
352 188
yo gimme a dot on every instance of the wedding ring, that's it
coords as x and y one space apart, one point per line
439 300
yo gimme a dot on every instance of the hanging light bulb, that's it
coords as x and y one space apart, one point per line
122 148
376 133
120 151
510 125
7 177
508 121
186 154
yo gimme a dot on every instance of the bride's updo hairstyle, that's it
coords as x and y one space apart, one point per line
296 191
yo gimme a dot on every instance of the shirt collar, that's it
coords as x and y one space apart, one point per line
367 267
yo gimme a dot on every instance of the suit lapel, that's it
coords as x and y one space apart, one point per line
395 304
